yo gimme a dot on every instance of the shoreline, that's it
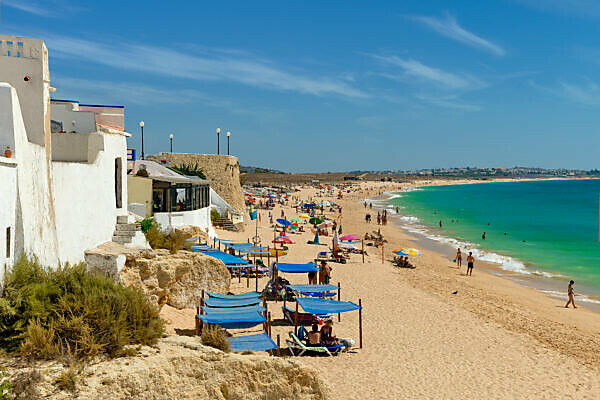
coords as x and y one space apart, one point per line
550 284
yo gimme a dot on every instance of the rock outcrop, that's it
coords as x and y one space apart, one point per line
175 279
178 368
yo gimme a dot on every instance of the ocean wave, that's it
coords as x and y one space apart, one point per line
563 296
409 218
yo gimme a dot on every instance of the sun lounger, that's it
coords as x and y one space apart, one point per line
298 348
302 318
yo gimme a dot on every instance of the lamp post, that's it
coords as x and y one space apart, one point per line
171 139
142 127
228 136
218 141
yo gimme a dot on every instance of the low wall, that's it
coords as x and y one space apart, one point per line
199 218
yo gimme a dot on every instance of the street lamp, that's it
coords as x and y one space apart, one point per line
171 139
228 136
142 127
218 141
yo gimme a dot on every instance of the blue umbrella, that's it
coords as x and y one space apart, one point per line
283 222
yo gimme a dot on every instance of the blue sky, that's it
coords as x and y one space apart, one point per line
337 85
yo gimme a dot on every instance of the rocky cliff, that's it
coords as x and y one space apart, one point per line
222 171
178 368
175 279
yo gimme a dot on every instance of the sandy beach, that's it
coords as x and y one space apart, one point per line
493 339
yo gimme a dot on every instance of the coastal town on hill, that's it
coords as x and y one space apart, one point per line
217 270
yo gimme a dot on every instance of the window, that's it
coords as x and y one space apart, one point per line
119 182
8 242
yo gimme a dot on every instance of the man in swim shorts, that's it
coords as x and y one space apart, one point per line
470 263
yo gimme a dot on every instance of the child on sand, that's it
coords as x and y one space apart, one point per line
571 294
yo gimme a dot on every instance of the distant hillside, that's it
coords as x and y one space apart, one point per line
257 170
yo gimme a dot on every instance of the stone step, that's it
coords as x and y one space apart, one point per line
123 219
124 233
121 239
128 227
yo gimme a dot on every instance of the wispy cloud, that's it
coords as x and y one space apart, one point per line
452 102
450 28
414 69
586 94
124 92
210 65
28 7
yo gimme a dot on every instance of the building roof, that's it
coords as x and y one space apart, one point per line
161 173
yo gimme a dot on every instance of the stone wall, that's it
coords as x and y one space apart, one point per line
222 171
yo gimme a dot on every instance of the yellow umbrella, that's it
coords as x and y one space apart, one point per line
305 216
407 252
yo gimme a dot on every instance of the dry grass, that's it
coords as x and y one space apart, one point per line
215 337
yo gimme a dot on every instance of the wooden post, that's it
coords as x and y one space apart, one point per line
363 250
278 345
360 323
247 277
197 319
269 323
256 276
269 256
214 242
339 299
276 254
239 271
382 256
296 319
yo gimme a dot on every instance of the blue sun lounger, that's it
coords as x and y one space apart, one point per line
259 342
222 303
234 320
249 295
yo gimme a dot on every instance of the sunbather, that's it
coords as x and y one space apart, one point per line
314 336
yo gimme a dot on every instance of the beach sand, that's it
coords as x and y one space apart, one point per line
493 339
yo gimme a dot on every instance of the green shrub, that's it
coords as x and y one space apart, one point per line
5 385
188 170
172 241
146 224
68 311
214 215
214 337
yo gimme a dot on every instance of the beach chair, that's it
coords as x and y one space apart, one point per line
298 348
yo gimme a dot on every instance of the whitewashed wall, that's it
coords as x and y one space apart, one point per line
84 195
35 232
8 185
199 218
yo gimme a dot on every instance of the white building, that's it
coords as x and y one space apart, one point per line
63 189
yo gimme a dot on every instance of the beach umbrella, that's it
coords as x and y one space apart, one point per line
348 238
293 226
325 224
304 216
295 220
407 252
283 240
283 222
315 221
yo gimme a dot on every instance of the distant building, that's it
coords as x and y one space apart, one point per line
62 165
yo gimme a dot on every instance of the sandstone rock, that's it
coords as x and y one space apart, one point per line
179 368
175 279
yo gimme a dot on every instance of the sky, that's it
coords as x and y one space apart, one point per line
312 86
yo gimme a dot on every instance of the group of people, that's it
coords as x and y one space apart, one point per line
403 262
382 218
323 276
325 337
470 261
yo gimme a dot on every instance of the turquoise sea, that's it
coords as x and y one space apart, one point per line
546 228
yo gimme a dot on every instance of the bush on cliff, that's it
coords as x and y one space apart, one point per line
172 241
47 313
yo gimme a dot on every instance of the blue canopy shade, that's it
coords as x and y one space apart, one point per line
325 306
283 222
297 268
234 320
217 310
227 259
313 288
223 303
259 342
249 295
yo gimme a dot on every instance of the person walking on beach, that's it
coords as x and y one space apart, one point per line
470 264
459 258
368 218
440 224
571 294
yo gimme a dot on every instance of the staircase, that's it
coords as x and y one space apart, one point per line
224 223
125 230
